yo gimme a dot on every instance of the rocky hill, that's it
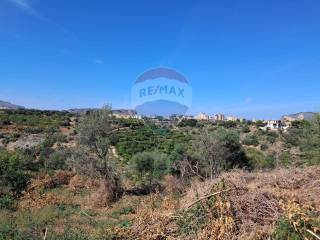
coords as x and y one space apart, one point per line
300 116
8 105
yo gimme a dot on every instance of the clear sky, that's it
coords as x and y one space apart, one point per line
243 57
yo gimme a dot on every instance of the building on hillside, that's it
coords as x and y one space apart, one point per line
219 117
125 113
275 125
202 116
187 117
232 118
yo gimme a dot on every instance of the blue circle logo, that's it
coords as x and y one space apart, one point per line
161 92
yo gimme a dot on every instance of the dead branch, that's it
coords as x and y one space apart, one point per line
313 234
206 197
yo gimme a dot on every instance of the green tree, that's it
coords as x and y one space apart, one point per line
149 167
310 141
94 157
251 140
219 150
15 171
258 160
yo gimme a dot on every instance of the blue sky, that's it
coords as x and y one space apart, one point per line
249 58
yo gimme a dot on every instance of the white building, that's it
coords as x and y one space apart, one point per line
232 118
125 113
202 116
274 125
219 117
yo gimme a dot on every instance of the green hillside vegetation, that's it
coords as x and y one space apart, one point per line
108 178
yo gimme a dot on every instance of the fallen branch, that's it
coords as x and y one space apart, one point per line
313 234
206 197
86 214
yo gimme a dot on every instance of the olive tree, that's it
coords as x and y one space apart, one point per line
148 168
94 155
218 150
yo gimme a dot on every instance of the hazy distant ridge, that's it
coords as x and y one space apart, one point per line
8 105
301 116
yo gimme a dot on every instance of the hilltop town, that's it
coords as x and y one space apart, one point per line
273 125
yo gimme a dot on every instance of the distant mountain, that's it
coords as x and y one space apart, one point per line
7 105
300 116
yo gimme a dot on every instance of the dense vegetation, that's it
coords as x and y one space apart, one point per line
58 187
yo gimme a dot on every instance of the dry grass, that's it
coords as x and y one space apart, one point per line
247 205
249 209
37 196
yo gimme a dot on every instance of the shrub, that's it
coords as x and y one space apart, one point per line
8 227
217 151
257 159
271 136
122 211
296 222
5 123
188 123
65 123
264 147
15 170
310 142
284 230
73 234
6 202
227 124
149 167
251 140
58 159
245 129
285 159
34 130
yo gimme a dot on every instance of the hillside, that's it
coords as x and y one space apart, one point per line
8 105
186 180
300 116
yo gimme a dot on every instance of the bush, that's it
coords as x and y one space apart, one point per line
264 147
292 137
271 136
257 159
65 123
251 140
57 160
188 123
217 151
310 142
6 202
227 124
8 227
34 130
284 230
15 170
5 123
296 221
149 167
245 129
285 159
